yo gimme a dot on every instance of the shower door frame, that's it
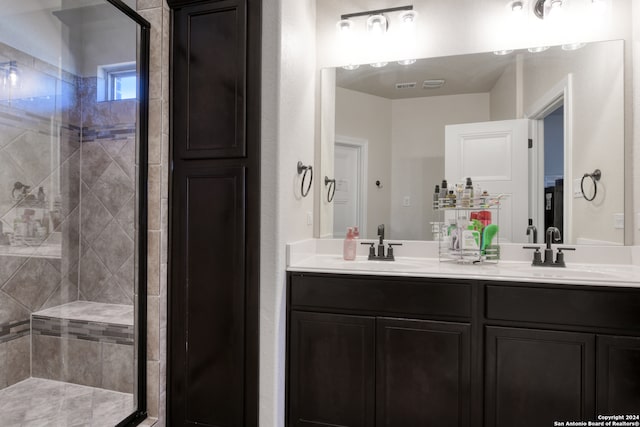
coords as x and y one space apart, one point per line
140 412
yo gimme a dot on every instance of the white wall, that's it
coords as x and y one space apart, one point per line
36 16
418 135
368 117
288 130
504 100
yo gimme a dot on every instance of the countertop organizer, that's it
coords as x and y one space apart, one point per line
468 232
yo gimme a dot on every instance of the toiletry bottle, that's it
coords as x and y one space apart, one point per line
468 190
436 198
484 199
443 189
356 232
467 194
349 248
451 200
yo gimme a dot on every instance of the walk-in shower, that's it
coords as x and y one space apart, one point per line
73 107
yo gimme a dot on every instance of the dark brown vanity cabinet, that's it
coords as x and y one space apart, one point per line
618 375
568 353
384 363
536 377
391 351
332 360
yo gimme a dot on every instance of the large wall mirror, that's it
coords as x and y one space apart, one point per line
73 179
547 117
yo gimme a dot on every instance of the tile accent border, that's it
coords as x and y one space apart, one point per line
83 330
14 330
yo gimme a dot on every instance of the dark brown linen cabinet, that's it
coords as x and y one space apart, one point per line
215 213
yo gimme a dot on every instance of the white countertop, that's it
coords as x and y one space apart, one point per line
310 256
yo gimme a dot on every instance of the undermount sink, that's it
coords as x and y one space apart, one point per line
561 272
365 264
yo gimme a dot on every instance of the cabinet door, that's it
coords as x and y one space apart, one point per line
332 370
618 373
536 377
423 373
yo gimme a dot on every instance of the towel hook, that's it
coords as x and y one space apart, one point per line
595 177
303 169
331 191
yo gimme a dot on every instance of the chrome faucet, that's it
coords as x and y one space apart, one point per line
531 229
381 255
552 235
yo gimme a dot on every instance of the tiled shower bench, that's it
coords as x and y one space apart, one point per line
85 343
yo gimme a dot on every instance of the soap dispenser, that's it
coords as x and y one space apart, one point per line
349 247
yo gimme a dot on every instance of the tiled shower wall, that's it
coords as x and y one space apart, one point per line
108 195
94 182
39 147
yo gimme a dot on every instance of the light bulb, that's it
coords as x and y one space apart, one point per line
556 4
408 17
517 7
573 46
351 67
503 52
377 25
379 64
344 26
407 62
538 49
13 78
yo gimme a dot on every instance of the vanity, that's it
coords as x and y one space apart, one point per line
435 344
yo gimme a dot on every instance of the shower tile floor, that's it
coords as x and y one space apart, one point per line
42 403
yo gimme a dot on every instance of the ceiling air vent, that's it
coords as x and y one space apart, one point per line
406 85
433 84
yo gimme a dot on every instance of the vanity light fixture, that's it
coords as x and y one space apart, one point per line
407 62
377 22
548 8
503 52
379 64
351 67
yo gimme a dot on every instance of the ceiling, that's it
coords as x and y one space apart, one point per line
475 73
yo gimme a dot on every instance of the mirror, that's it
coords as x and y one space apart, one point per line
389 135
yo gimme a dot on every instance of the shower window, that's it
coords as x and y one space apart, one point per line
117 82
73 179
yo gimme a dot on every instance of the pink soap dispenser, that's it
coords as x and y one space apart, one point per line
349 248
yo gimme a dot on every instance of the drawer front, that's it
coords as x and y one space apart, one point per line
376 295
595 307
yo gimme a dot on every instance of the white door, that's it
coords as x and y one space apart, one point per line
495 156
347 175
